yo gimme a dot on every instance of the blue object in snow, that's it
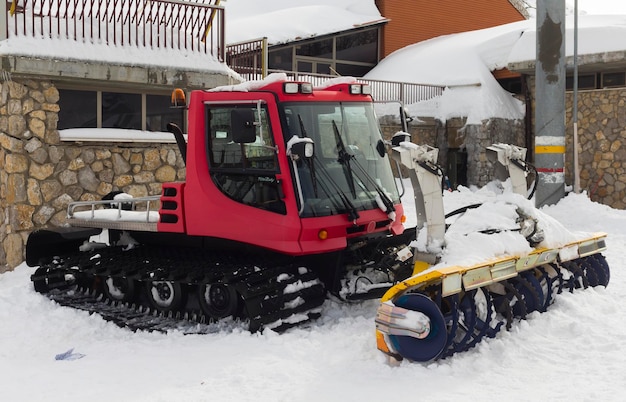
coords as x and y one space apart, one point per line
69 355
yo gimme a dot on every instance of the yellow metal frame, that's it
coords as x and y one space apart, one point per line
454 279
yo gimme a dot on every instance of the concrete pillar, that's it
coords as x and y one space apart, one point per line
550 102
3 20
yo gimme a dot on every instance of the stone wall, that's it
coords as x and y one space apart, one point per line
602 143
40 175
478 138
456 135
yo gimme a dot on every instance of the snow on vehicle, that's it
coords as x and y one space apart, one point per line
501 260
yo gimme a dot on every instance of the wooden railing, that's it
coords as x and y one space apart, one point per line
248 58
191 25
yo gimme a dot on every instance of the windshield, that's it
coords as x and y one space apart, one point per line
347 173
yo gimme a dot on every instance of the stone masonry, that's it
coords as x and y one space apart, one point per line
455 134
40 175
602 143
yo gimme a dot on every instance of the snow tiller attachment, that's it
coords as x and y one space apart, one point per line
497 261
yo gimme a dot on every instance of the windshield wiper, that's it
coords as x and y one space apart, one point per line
383 197
344 160
353 215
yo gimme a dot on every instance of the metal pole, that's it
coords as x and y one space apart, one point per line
550 102
575 147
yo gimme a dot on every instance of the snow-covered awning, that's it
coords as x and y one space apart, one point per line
285 20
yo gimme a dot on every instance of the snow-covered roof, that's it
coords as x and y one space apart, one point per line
597 35
464 63
285 20
70 50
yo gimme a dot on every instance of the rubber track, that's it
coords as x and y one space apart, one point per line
266 304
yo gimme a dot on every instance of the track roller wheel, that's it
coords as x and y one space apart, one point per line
165 296
430 347
39 279
119 288
218 300
46 279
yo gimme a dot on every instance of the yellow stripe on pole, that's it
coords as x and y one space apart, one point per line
550 149
13 6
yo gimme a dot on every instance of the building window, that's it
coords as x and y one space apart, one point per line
159 112
281 59
101 109
320 48
360 46
612 80
354 54
78 109
121 110
585 81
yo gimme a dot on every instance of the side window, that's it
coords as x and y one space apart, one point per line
245 172
225 153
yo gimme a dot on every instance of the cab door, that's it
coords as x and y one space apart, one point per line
238 181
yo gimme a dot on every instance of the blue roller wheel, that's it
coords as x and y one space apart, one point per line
468 317
429 348
531 290
591 271
601 267
578 279
551 283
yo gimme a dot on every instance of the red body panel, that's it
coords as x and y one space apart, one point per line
206 211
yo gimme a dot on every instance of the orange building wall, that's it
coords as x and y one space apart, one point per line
413 21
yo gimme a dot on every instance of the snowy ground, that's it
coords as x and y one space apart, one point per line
575 352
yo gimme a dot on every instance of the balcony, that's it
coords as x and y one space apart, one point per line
192 26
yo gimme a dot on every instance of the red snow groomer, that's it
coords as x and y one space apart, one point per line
289 195
287 188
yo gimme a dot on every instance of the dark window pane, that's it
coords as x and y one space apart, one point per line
120 110
224 153
361 46
613 80
245 172
280 59
159 112
304 67
320 48
352 70
323 68
513 85
587 81
77 109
